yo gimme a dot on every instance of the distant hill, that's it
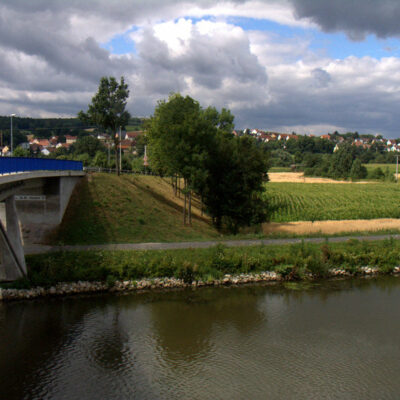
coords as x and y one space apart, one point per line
47 127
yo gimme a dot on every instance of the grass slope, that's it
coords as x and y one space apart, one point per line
324 201
132 209
109 209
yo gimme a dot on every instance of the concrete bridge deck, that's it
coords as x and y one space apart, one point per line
31 204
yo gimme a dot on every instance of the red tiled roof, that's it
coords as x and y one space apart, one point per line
133 134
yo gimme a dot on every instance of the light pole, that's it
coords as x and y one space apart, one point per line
12 141
120 151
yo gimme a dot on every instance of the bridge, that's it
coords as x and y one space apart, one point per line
34 194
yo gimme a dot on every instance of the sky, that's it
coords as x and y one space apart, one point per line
305 66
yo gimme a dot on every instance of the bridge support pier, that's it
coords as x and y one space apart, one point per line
13 264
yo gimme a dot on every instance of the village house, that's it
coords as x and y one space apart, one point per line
103 137
133 135
63 145
127 146
70 139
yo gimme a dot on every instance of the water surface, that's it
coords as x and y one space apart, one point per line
337 339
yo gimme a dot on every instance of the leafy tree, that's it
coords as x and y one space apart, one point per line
20 152
100 159
107 109
84 157
234 185
342 162
88 144
358 171
137 164
180 134
225 171
376 173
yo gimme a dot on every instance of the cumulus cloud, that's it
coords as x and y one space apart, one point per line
52 58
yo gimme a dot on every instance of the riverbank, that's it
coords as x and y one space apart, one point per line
75 288
65 273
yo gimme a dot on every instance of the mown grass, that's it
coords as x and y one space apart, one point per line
321 201
109 209
294 261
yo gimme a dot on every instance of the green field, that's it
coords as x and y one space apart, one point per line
383 167
322 201
130 209
280 169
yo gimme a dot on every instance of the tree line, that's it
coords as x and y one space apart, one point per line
196 146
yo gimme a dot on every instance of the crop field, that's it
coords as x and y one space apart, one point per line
279 169
383 167
324 201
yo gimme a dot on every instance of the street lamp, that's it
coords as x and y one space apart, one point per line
12 141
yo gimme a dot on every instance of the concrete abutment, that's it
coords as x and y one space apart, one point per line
29 211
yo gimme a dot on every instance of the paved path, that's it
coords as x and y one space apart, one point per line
37 249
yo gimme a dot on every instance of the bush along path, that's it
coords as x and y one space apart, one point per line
65 273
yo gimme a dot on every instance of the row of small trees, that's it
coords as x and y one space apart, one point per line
196 146
225 172
343 164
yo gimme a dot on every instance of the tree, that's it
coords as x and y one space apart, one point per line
107 109
358 171
88 144
342 161
20 152
196 144
179 137
100 159
234 184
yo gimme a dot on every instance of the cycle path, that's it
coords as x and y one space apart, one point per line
39 249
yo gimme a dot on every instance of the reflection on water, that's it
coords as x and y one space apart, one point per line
336 339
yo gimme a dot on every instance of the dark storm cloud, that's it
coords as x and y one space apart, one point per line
356 18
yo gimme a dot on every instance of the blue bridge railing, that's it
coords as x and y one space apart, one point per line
22 164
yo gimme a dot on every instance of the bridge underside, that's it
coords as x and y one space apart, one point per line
30 208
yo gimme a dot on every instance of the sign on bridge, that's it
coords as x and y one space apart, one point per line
30 198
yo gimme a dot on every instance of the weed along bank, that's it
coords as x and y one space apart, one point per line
75 272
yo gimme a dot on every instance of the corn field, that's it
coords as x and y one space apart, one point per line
322 201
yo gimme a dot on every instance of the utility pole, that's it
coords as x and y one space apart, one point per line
145 160
120 150
12 139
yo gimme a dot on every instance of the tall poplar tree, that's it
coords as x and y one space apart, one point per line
107 109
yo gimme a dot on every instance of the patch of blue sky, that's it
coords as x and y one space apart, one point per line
121 44
334 45
337 45
253 24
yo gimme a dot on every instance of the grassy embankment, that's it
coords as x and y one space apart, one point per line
292 261
110 209
134 209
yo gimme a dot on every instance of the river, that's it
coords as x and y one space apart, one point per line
335 339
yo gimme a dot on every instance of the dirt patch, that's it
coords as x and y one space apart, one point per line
331 227
300 178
